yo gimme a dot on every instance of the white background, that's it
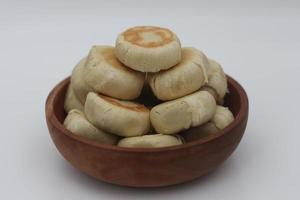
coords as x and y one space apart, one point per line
258 43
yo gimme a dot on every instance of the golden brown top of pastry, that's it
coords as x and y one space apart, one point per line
148 36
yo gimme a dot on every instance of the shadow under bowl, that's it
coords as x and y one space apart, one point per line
155 167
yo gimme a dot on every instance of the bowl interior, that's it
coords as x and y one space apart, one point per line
235 99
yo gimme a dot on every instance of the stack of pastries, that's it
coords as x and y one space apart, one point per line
104 103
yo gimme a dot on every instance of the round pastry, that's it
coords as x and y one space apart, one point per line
71 100
106 75
77 123
180 114
182 79
123 118
150 141
148 48
216 79
80 88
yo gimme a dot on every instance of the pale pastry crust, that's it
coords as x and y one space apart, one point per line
180 114
80 87
216 79
222 118
77 123
106 75
150 141
122 118
185 78
71 100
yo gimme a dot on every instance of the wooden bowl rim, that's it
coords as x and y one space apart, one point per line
51 118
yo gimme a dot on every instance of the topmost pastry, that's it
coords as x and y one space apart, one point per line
148 48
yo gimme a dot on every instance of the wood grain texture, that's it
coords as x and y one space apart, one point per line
138 167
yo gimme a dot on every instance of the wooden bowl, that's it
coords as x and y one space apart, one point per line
140 167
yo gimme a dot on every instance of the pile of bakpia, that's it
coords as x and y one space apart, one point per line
101 98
